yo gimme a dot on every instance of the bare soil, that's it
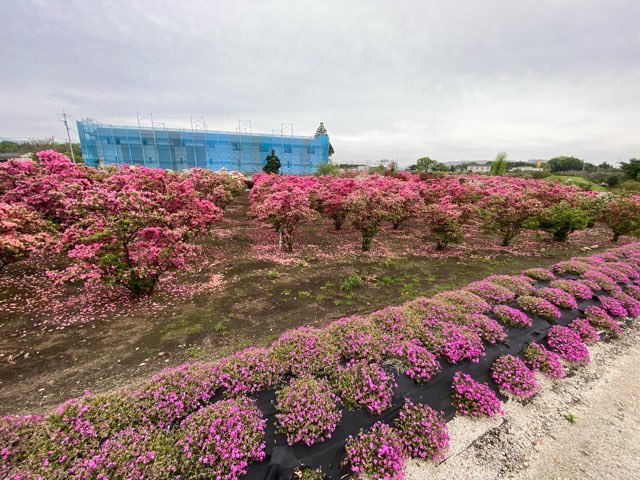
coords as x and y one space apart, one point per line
244 292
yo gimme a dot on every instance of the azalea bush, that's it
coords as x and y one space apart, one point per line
568 344
423 431
601 319
508 212
540 274
221 440
363 384
331 198
249 371
539 306
176 392
15 434
22 232
562 219
472 398
306 351
378 453
444 221
460 343
518 284
613 306
512 375
368 209
512 316
307 411
539 358
588 334
419 362
603 281
491 292
487 328
630 304
573 287
622 215
558 297
356 338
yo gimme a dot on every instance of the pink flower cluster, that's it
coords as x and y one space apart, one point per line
512 376
419 362
518 284
512 316
539 358
558 297
378 453
423 431
219 441
613 307
630 304
363 384
567 343
473 398
487 328
307 411
460 343
582 327
305 351
249 371
601 319
491 292
539 306
603 281
540 274
574 287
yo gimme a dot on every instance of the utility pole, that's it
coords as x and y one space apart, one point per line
63 118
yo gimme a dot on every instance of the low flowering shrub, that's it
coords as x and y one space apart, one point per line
219 441
614 273
419 362
613 307
364 384
512 316
624 268
460 343
463 301
305 351
605 282
491 292
558 297
573 266
487 328
539 306
574 287
356 338
377 454
633 291
249 371
307 411
145 453
473 398
174 393
540 274
593 286
582 327
630 304
512 375
539 358
601 319
423 431
567 343
518 284
15 432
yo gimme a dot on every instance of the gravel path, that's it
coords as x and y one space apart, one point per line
584 427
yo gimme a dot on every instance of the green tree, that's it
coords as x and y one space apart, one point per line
321 130
631 168
499 165
562 219
272 163
426 164
327 169
565 164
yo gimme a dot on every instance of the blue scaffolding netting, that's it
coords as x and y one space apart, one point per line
180 149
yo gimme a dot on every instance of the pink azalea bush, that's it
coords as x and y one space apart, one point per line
539 306
491 292
558 297
460 343
307 411
507 211
356 338
576 266
249 371
378 453
605 282
567 343
633 291
473 398
518 284
512 375
540 274
588 334
601 319
221 440
613 307
423 431
574 287
419 362
305 351
465 302
630 304
176 392
539 358
512 316
487 328
363 384
15 433
444 221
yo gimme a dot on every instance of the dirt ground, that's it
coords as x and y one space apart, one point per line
584 427
57 342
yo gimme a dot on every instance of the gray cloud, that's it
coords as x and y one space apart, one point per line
389 79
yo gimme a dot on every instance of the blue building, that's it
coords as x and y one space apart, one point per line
181 149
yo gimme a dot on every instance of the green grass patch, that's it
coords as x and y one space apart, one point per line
578 182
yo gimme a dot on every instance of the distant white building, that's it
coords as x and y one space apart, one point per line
478 168
527 169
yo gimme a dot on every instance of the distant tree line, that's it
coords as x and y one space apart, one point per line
38 145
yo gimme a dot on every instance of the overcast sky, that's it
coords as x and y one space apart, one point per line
393 79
